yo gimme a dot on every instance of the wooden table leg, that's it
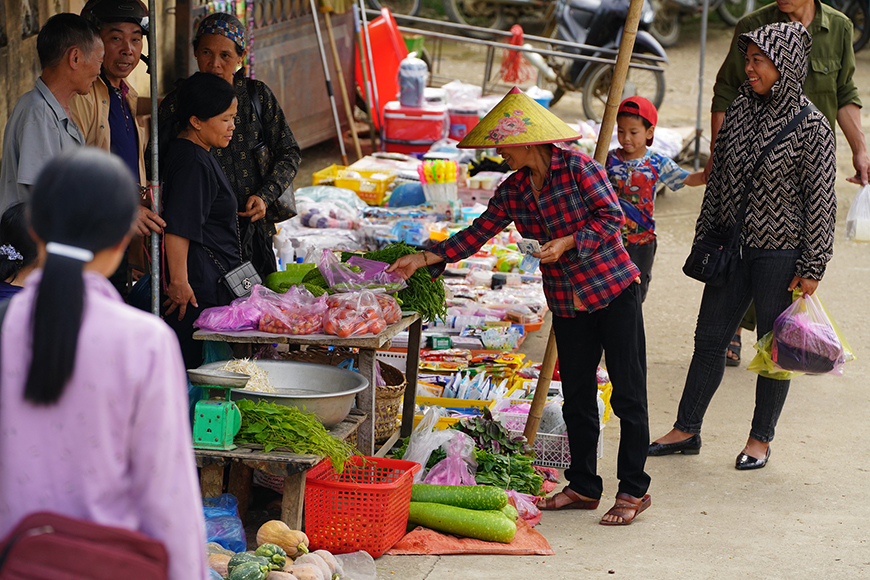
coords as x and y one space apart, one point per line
413 365
240 486
365 401
211 480
293 501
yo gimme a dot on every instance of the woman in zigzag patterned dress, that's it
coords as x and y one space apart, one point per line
787 234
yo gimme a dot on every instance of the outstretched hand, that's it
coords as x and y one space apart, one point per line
407 265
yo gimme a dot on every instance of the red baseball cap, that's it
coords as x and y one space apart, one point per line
641 107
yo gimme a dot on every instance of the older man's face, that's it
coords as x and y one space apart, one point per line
123 44
89 68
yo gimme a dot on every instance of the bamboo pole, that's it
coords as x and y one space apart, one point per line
326 8
614 97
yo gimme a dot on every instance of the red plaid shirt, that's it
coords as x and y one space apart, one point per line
577 200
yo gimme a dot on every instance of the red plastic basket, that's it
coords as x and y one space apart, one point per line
363 508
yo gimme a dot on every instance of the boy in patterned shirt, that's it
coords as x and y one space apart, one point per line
634 171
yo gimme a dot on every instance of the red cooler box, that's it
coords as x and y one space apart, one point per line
462 120
413 129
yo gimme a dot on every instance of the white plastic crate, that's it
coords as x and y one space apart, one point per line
550 450
396 359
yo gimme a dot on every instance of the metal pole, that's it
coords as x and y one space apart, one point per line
365 28
620 71
339 72
154 185
367 86
705 11
328 82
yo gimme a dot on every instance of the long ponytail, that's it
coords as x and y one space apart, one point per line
83 202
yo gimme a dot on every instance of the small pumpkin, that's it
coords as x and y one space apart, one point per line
245 558
218 563
331 561
306 572
250 571
315 560
293 542
276 555
273 575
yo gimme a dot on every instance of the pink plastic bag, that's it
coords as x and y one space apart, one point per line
241 314
358 274
526 507
296 311
804 340
353 314
459 466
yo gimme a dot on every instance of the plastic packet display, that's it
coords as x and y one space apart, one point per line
297 311
353 314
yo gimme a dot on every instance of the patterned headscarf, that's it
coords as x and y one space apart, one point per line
225 25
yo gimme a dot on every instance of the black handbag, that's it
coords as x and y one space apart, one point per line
241 279
715 254
284 207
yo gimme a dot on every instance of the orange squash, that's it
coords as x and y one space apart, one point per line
294 542
218 563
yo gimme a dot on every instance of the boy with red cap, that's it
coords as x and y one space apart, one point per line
634 171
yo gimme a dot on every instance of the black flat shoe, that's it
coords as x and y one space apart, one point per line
690 446
745 462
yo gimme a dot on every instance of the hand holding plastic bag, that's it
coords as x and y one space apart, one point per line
459 466
424 440
358 274
804 339
858 220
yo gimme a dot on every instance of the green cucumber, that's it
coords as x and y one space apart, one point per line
473 497
315 277
510 512
486 525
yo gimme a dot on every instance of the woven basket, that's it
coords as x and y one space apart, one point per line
388 398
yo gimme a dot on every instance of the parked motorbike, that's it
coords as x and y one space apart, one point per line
666 26
599 23
858 12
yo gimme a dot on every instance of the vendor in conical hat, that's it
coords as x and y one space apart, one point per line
564 200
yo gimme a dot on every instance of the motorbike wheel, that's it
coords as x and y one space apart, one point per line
476 13
638 82
407 7
859 14
557 94
666 25
731 11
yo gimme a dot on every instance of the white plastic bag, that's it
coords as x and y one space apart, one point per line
424 440
858 220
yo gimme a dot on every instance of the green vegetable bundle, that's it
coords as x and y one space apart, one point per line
272 426
423 294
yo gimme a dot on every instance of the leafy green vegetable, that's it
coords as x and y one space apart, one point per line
492 435
423 294
272 426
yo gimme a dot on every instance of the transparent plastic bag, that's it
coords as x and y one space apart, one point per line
241 314
353 314
459 466
390 307
358 274
424 440
296 311
804 340
526 507
858 220
222 523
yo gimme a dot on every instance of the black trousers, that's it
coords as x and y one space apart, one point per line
617 330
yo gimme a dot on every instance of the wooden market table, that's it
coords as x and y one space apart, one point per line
279 462
367 345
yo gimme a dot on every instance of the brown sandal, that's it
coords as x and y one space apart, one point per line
577 502
626 507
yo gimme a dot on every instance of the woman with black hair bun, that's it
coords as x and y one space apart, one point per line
17 251
200 208
93 395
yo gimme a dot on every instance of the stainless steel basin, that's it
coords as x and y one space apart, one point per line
324 390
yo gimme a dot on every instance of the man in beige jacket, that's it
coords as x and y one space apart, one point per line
107 115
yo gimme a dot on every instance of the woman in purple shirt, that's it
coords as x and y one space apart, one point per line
93 394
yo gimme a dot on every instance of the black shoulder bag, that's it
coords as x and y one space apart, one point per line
241 279
284 207
715 254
